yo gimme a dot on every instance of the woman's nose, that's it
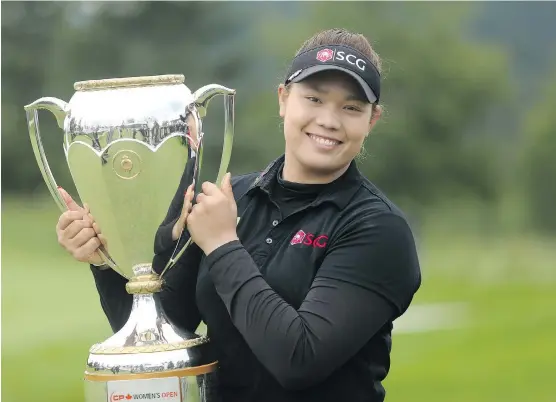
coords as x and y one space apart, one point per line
328 119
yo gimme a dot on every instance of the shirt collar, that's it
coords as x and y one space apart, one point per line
339 192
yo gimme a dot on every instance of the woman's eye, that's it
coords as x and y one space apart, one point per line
313 99
353 108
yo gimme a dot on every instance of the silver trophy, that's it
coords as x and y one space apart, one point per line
128 143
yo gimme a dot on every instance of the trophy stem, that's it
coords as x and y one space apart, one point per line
145 281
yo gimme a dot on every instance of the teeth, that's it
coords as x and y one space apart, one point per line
324 141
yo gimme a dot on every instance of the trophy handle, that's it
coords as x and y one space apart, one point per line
202 98
60 110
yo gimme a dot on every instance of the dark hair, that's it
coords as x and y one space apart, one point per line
340 36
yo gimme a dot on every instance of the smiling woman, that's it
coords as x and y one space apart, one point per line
329 103
299 298
326 120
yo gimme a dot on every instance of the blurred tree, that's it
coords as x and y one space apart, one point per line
532 44
538 160
27 36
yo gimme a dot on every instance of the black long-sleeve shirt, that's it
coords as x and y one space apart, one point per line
301 307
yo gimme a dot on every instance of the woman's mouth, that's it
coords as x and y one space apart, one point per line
324 141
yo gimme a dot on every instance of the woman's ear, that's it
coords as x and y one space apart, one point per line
283 94
377 112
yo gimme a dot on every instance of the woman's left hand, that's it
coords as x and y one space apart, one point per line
212 221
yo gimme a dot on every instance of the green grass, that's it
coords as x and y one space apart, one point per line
50 309
506 352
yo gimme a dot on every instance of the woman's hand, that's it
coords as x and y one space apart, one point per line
186 209
78 233
212 221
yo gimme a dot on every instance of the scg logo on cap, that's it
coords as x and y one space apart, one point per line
325 55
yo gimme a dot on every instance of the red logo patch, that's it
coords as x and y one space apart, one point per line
298 238
324 55
309 239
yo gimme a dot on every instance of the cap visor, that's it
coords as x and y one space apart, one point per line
317 69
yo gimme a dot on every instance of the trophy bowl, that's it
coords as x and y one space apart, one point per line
128 143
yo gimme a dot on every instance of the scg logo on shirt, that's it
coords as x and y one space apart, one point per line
309 239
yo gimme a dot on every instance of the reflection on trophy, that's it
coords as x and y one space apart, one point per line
128 142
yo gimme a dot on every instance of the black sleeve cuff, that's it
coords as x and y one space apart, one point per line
164 240
104 273
221 252
114 299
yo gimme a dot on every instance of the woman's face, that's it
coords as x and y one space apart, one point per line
326 121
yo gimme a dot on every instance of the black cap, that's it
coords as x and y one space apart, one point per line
341 58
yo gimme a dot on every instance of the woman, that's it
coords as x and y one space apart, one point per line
299 298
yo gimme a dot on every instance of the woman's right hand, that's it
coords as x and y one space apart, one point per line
78 233
186 209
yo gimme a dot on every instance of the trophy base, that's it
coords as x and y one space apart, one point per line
150 359
175 386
